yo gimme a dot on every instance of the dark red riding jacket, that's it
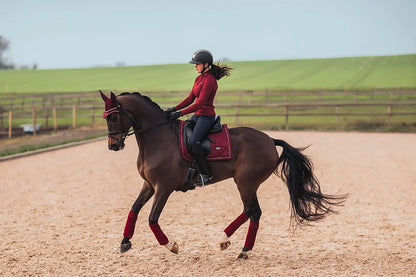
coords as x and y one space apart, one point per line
204 90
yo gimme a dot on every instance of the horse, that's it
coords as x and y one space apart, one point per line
254 159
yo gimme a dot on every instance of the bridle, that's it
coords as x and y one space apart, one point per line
133 123
125 134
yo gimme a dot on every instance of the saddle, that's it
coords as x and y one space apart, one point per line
216 145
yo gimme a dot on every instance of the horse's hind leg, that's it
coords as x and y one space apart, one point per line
255 213
251 210
145 194
229 231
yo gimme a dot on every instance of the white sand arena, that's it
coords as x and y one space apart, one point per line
63 213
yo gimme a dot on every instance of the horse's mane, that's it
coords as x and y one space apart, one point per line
174 123
146 98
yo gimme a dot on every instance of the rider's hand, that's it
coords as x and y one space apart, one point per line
174 115
169 111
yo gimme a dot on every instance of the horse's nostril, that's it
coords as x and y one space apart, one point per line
113 146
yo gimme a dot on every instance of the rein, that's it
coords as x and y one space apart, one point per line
132 122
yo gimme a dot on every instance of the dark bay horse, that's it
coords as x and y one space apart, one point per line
254 159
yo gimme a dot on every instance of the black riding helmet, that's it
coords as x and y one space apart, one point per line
202 56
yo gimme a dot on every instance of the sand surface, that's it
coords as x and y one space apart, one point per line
62 213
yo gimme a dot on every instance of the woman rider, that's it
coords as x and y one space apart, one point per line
204 90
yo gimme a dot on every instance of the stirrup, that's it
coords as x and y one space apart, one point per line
203 180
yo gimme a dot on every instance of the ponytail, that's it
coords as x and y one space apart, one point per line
219 71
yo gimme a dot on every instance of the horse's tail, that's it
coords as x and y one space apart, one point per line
307 201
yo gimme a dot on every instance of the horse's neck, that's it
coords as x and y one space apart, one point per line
151 135
144 112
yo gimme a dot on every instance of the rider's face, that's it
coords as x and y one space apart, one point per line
199 67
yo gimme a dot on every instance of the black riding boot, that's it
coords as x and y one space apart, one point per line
200 158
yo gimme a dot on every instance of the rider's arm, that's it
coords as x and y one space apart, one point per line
208 88
186 102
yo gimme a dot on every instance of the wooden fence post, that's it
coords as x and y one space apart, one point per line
55 121
287 117
74 116
389 108
92 117
236 115
10 123
337 113
34 119
46 118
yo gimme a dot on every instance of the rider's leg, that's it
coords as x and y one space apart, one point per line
190 123
201 160
202 126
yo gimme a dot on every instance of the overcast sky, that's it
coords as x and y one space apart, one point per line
85 33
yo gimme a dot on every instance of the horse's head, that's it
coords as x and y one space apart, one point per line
118 122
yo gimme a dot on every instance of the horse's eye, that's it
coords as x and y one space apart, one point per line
112 117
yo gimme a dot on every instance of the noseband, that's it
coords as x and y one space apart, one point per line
133 123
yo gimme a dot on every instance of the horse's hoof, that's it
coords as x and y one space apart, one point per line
125 247
243 255
175 248
225 244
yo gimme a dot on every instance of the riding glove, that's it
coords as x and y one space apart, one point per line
174 115
168 112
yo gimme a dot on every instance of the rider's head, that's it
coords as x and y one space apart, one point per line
202 59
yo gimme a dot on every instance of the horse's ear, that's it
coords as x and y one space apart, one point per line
113 99
103 96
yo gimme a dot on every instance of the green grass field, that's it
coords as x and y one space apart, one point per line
359 73
366 80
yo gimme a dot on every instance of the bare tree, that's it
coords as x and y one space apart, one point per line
4 45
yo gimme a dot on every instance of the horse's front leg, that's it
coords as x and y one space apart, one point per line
159 201
145 194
